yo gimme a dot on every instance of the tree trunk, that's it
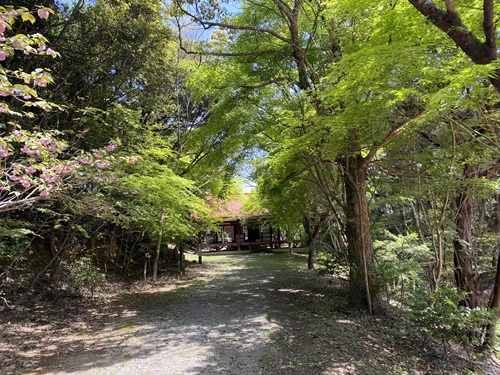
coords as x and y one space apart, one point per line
182 265
306 223
198 248
147 257
312 239
467 278
314 242
490 339
311 257
362 275
158 247
157 257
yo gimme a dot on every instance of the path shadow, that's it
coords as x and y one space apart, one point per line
264 315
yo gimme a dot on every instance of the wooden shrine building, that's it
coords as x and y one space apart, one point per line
255 234
240 230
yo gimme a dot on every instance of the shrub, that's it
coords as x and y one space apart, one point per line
14 270
439 315
84 275
332 263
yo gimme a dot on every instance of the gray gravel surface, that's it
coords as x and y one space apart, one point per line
215 326
242 315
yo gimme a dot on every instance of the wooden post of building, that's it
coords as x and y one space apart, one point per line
198 247
238 231
221 228
271 236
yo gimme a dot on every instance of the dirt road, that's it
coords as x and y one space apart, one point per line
242 315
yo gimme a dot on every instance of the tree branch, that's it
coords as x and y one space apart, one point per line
283 7
450 22
489 26
394 133
295 174
264 84
11 205
450 7
208 24
233 54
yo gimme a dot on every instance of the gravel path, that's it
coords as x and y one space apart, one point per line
216 326
243 315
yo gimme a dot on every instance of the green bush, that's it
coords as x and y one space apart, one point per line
85 276
400 263
14 270
439 315
332 263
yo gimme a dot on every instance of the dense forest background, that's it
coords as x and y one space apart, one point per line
371 127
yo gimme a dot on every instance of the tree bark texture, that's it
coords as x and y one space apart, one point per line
467 278
448 20
362 275
490 339
311 257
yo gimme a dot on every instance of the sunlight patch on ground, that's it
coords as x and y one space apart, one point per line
340 369
292 290
302 292
344 321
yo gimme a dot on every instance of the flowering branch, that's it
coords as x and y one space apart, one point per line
36 165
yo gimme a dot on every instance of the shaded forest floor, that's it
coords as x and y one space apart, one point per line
245 315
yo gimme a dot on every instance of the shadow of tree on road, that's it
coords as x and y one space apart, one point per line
257 314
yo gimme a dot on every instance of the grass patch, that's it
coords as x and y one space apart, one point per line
218 259
269 261
264 260
266 359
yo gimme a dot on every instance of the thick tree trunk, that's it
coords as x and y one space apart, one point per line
490 339
467 278
362 275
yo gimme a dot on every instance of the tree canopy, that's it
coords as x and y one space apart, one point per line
370 129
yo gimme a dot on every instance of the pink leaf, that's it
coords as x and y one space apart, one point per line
3 54
43 14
